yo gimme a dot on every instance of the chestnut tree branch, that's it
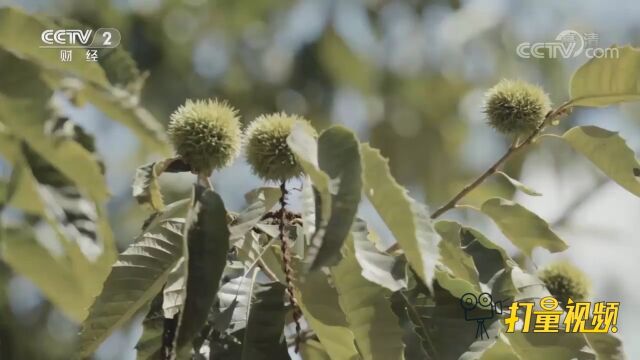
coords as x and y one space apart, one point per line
513 149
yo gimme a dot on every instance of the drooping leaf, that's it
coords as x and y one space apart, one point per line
380 268
408 220
319 304
339 158
207 238
333 164
609 152
137 276
259 201
525 229
607 80
367 308
146 188
263 337
518 185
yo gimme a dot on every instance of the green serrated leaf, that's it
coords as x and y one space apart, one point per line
366 305
408 220
518 185
263 338
607 80
313 350
459 264
609 152
137 276
378 267
318 302
207 239
525 229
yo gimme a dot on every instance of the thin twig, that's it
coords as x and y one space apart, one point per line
513 149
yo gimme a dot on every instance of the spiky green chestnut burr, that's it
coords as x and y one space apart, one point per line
206 134
564 281
515 107
266 146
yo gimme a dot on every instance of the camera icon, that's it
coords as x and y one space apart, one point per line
479 309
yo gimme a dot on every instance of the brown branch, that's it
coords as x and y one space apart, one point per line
513 149
286 264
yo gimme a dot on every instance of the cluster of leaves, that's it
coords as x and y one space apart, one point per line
212 284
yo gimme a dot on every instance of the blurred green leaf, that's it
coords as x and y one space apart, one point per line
606 346
207 240
20 33
319 304
609 152
518 185
137 276
607 80
408 220
525 229
367 308
263 338
53 275
26 119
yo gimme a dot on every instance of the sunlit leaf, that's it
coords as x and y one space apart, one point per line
609 152
525 229
518 185
137 276
378 267
608 80
367 308
319 304
237 293
408 220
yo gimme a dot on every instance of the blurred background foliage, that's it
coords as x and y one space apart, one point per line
407 76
